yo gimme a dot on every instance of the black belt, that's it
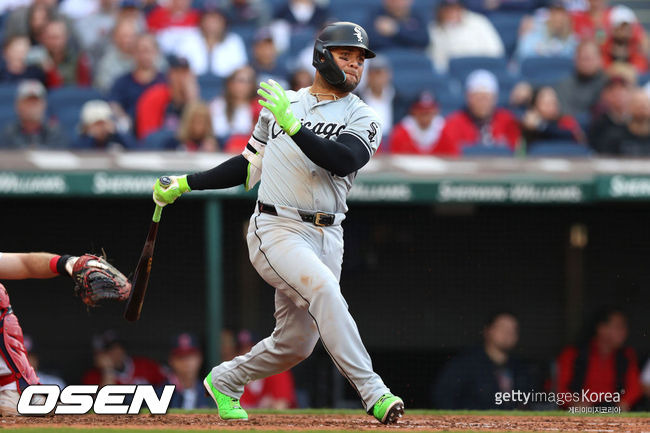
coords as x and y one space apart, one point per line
320 219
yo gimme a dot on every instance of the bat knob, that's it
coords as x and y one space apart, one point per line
165 181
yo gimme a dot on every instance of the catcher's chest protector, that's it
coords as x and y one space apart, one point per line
12 349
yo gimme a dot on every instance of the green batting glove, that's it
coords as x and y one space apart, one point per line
275 99
163 196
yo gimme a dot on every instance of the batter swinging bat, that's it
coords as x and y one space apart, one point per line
142 272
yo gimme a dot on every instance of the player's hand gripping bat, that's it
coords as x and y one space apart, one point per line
142 272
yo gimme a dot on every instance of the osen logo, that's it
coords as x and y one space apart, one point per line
80 399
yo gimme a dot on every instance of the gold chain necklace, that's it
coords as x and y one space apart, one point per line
317 95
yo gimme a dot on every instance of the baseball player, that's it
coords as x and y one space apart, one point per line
95 280
305 150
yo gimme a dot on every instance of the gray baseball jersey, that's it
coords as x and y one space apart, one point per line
300 260
289 177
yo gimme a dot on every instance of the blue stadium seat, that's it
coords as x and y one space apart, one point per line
68 118
158 140
71 96
541 71
644 79
481 150
210 86
8 92
461 67
507 25
559 148
415 60
355 11
7 115
302 38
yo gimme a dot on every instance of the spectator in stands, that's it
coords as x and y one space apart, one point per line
274 392
300 78
95 28
64 65
134 10
113 364
300 14
544 121
185 359
379 93
255 13
552 36
265 60
172 22
608 127
603 364
595 23
14 66
119 56
31 20
488 6
419 131
161 105
633 138
579 93
98 131
472 379
34 361
128 88
235 112
212 49
621 45
480 122
195 130
31 129
458 32
645 381
395 25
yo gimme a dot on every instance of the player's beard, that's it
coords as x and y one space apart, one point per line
347 86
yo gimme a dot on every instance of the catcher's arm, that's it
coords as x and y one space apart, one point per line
20 266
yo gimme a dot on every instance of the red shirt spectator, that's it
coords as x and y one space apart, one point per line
161 105
273 392
604 365
177 14
419 132
597 24
136 370
461 130
601 374
114 366
480 123
621 44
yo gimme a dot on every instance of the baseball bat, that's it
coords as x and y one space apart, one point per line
143 270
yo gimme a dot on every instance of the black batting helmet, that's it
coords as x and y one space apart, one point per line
339 34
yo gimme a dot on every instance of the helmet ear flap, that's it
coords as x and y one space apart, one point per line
327 66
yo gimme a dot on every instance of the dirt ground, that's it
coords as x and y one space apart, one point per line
343 422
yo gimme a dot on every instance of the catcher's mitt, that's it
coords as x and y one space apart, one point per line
96 280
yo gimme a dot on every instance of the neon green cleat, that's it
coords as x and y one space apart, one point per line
229 407
388 409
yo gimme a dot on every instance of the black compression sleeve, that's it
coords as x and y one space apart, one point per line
342 157
231 173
